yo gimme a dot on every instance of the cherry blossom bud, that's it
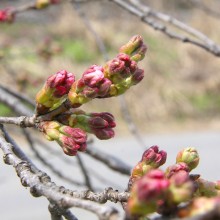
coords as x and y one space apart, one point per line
93 76
135 48
152 158
104 134
93 84
70 139
181 187
137 76
7 15
189 156
146 193
99 124
54 91
173 169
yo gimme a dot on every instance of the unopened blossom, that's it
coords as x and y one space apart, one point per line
181 187
91 85
147 192
70 139
189 156
173 169
135 48
54 92
123 73
7 15
99 124
152 158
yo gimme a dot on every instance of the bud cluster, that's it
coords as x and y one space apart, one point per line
70 139
99 124
152 190
62 94
54 91
114 79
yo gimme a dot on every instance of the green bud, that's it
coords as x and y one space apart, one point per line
189 156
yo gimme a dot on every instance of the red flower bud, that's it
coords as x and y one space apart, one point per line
108 117
154 157
137 76
104 134
93 76
61 82
171 170
151 185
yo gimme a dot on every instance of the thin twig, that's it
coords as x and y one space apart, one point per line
145 14
18 95
14 103
131 125
22 121
84 172
109 160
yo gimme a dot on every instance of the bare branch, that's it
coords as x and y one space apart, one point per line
131 125
22 121
18 95
57 213
84 172
146 13
47 164
109 160
54 212
14 103
41 185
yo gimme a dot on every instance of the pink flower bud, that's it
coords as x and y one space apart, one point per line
137 76
181 188
189 156
61 82
104 87
90 93
93 76
135 48
147 192
70 139
154 157
151 185
107 117
171 170
98 122
104 134
77 134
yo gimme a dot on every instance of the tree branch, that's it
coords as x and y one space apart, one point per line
14 103
40 185
146 13
109 160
